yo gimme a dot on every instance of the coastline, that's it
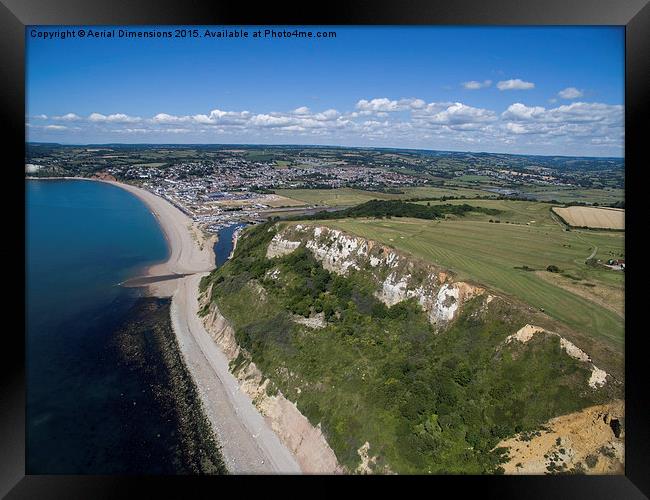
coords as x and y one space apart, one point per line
248 443
148 349
187 254
184 257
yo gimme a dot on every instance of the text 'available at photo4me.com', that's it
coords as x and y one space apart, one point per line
275 33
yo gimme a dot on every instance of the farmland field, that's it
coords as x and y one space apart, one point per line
561 194
153 164
494 255
512 211
274 200
599 218
349 196
566 194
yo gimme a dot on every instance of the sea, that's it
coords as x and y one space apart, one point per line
93 405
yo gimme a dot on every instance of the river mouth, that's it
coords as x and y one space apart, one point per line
225 244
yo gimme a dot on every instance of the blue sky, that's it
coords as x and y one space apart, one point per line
531 90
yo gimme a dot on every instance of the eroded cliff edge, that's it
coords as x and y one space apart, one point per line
305 441
284 348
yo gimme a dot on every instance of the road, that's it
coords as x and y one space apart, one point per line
248 443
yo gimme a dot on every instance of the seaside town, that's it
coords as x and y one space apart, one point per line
218 194
221 185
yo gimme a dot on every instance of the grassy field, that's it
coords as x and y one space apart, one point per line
349 196
540 217
520 212
561 194
602 196
281 164
154 164
272 200
490 253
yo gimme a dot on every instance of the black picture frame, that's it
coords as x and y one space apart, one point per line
633 14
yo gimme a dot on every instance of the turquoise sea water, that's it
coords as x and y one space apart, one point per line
82 239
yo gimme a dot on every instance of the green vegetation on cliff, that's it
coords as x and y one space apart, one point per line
426 401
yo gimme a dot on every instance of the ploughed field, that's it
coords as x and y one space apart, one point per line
592 217
510 255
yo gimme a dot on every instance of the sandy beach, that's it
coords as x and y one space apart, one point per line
248 443
190 251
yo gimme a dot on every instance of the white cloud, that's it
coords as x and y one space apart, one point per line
267 120
576 122
414 103
164 118
380 104
575 112
589 112
384 104
459 114
69 117
204 119
114 118
585 128
570 93
519 111
516 128
329 114
132 130
122 118
475 85
515 84
216 117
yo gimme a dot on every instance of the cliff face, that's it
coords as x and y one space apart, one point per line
591 441
398 276
428 386
305 441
